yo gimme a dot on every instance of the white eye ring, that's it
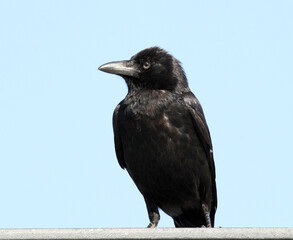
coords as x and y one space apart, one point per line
146 65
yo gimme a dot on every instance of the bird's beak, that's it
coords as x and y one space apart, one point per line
122 68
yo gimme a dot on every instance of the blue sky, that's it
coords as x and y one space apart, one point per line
58 165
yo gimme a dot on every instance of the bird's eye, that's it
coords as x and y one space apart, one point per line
146 65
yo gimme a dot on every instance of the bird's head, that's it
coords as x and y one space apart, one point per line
152 68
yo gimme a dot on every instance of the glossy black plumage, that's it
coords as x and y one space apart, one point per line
162 139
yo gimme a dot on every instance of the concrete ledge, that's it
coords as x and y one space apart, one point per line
143 233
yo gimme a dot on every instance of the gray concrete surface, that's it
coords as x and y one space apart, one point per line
143 233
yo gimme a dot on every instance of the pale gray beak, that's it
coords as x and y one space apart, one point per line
122 68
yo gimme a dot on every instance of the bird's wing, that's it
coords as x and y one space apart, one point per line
200 124
202 130
117 139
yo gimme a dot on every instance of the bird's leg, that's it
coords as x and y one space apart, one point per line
153 212
154 219
206 213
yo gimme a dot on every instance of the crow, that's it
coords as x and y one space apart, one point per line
163 141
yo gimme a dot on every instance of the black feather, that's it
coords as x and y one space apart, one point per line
163 141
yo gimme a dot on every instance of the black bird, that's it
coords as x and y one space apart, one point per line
162 139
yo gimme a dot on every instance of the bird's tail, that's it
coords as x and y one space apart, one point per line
192 218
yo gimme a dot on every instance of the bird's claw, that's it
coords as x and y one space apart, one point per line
152 225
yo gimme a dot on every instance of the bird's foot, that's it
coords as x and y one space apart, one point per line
152 225
207 215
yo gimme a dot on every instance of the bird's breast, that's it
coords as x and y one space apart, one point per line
159 145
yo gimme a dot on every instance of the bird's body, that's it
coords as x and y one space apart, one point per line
162 139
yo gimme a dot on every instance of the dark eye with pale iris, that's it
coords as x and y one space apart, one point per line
146 65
